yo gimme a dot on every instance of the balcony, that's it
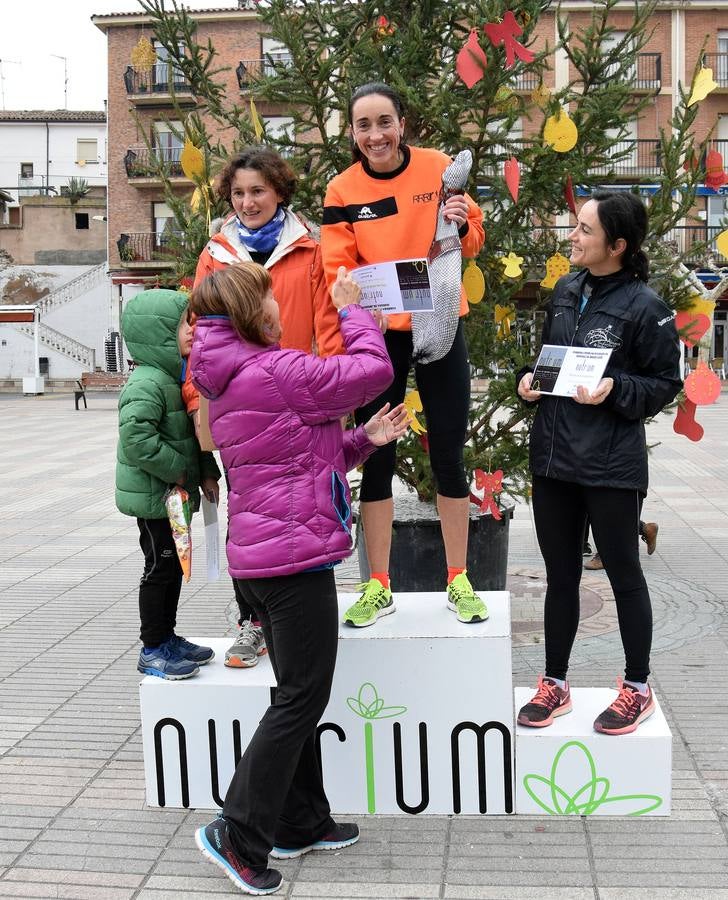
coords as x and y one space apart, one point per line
249 71
145 249
156 86
647 76
150 167
636 159
696 243
718 62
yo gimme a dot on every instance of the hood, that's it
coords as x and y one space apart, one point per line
217 353
149 324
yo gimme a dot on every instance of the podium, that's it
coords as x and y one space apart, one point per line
420 718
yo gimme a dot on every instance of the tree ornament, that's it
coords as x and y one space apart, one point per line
143 56
511 265
721 242
702 85
541 96
560 133
413 405
255 119
471 61
700 304
473 282
504 318
490 483
569 195
512 173
685 421
556 267
192 160
691 326
384 27
715 177
505 34
702 386
504 99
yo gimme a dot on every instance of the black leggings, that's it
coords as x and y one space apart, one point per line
560 509
444 388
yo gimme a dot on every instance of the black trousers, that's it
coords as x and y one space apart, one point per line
444 388
276 796
161 581
560 509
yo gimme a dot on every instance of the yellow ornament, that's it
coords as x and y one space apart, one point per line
192 160
201 195
255 119
556 266
504 99
143 56
702 85
413 404
699 305
511 265
504 318
721 242
473 282
541 96
560 133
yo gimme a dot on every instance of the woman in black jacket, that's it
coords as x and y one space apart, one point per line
589 453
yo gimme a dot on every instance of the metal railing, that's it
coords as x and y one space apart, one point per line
718 62
72 289
696 243
647 75
162 78
249 71
146 246
62 343
633 157
140 162
721 145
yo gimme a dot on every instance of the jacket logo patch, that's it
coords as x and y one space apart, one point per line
360 212
366 213
603 338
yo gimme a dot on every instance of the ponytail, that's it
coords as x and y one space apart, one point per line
623 215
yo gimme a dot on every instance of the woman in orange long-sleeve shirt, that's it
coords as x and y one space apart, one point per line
383 208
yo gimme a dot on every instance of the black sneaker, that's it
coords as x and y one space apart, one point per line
343 835
215 844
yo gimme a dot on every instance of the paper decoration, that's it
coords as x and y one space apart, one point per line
505 34
556 267
511 265
192 160
471 61
504 99
702 85
569 195
504 318
702 386
715 177
491 483
255 119
685 421
143 56
560 133
413 405
721 242
512 174
541 96
384 27
691 326
699 304
473 282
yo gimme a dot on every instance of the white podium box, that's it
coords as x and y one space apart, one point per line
420 718
568 768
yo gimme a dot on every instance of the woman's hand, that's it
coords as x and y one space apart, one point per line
456 210
381 319
344 290
385 426
524 389
600 394
211 489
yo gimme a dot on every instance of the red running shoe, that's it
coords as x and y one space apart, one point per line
548 702
628 711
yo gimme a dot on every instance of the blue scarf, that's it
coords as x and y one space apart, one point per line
263 239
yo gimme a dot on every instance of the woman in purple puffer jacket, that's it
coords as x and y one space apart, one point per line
275 417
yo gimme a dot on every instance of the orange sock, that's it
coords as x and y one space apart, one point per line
452 572
382 577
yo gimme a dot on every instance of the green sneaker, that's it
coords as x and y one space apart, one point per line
462 599
375 601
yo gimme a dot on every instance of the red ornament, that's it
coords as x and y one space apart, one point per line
471 61
685 421
490 483
569 195
691 326
384 27
513 176
506 34
715 177
702 386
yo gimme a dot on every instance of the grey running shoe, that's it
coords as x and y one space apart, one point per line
248 646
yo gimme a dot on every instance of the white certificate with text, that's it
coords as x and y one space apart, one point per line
560 370
402 285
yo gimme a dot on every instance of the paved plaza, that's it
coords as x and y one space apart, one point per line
74 823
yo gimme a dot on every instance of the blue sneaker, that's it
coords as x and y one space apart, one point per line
214 842
343 835
165 661
193 652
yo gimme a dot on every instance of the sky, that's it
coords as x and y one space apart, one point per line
32 31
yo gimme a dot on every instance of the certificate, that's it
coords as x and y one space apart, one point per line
560 370
395 287
212 539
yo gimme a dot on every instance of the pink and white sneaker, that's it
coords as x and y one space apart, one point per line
627 712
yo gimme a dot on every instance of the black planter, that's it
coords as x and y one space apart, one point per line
417 561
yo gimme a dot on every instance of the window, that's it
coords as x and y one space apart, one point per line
81 221
165 70
274 53
163 224
87 150
167 145
280 127
26 170
609 45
